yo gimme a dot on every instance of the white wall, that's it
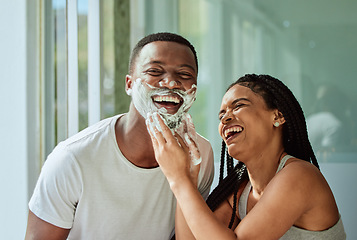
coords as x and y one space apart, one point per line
17 90
342 179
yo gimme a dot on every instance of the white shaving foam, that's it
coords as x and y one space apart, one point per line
142 94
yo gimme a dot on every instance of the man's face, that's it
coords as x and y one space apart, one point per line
164 79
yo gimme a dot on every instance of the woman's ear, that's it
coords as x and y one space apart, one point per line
128 84
278 118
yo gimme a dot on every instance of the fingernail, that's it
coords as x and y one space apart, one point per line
196 161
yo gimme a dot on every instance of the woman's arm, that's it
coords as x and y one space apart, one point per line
202 222
222 213
172 155
182 230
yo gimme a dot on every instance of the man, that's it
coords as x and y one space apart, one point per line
104 182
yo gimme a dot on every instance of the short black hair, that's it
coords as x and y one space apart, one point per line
160 36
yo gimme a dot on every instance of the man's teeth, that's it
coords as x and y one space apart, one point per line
232 129
166 99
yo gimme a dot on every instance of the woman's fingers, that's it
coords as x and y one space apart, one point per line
182 143
195 153
176 154
155 128
151 130
163 128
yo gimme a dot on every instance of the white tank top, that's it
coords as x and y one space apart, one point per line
336 232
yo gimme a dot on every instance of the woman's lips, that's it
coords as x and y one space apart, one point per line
231 132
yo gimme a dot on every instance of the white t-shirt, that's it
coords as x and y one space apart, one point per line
88 186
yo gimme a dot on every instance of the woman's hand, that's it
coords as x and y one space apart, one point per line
178 158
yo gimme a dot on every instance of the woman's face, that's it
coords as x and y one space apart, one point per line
246 124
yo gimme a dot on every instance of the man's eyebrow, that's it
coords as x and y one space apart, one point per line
183 65
189 66
153 62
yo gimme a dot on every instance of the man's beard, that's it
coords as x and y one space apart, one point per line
142 94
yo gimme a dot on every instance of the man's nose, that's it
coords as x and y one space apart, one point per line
170 82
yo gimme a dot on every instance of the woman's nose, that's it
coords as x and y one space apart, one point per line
226 117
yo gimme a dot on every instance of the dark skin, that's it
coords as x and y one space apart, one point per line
158 64
128 127
39 229
276 201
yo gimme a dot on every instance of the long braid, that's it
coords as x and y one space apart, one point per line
227 186
233 217
229 161
295 136
221 168
241 171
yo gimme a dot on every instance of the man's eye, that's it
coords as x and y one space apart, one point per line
185 75
154 72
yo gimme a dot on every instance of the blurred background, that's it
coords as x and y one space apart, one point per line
63 65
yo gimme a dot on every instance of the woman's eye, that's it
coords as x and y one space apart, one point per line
239 106
220 116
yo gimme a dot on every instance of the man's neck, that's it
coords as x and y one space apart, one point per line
134 141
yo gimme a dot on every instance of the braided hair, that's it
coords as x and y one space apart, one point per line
295 138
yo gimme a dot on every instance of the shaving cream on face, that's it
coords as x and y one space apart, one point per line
142 94
186 131
171 83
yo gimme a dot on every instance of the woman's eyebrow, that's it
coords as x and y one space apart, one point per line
239 99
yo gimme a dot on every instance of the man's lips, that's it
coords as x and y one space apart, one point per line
169 102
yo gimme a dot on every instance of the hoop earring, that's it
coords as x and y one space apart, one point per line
276 124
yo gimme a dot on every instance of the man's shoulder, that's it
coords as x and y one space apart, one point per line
93 131
206 150
203 142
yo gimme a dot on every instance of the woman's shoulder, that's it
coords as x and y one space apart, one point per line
300 177
298 170
307 187
300 180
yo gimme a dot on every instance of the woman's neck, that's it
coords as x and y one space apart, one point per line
263 168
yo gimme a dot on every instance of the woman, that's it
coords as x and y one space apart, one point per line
273 192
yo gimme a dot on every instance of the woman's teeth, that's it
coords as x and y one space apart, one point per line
228 131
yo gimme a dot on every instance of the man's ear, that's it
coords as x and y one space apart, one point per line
128 84
278 117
